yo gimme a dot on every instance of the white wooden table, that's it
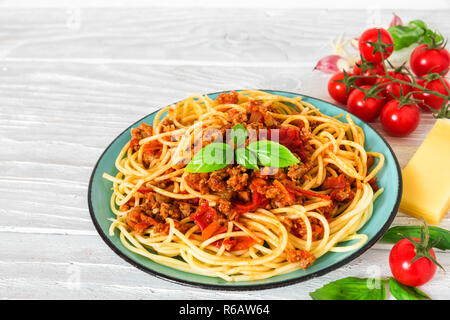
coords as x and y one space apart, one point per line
72 79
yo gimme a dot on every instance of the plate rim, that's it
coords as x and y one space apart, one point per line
250 287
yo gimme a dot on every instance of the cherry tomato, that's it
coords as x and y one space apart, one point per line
429 99
338 90
371 35
399 121
411 274
424 59
367 109
376 69
393 89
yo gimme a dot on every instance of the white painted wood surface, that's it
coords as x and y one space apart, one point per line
72 79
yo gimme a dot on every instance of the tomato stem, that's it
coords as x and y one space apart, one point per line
350 81
379 46
423 247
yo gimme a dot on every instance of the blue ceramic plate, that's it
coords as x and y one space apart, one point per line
385 209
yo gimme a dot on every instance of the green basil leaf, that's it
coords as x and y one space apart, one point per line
402 292
238 135
214 156
272 154
419 23
415 32
350 288
394 234
246 158
428 33
427 37
404 36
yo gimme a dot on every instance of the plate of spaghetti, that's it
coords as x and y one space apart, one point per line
244 190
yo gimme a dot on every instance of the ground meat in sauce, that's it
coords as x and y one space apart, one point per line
327 211
236 117
147 158
259 116
151 151
165 227
185 208
216 182
341 188
238 178
244 196
304 258
298 228
167 126
373 183
273 187
224 207
228 98
198 182
167 210
233 178
142 131
370 161
297 171
277 197
210 136
138 220
158 207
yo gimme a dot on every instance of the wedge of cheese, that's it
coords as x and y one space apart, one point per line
426 178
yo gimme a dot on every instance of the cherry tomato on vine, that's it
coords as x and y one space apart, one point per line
338 90
425 59
367 109
371 36
399 121
393 89
411 274
376 69
430 99
412 260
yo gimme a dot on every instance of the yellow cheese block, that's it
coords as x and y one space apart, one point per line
426 178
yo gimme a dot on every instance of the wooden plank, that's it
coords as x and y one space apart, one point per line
202 36
234 4
75 267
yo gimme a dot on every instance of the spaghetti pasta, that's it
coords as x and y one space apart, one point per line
234 222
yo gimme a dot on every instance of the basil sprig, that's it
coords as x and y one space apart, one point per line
350 288
395 234
415 32
402 292
216 156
